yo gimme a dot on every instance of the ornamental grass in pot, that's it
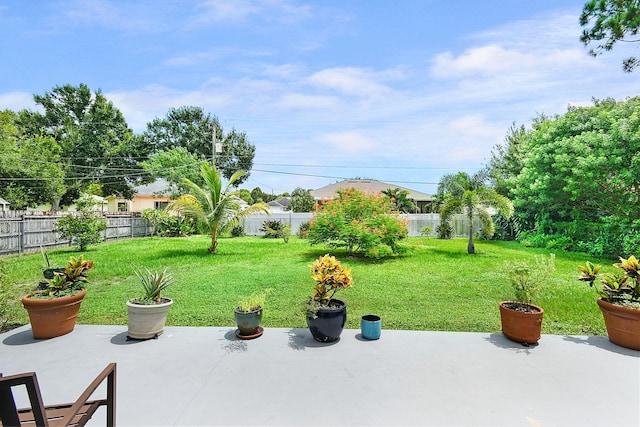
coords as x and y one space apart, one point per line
53 307
148 314
619 299
326 315
521 319
248 314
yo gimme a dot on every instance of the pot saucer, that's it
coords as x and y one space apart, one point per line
250 337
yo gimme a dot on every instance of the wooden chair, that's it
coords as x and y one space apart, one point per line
71 414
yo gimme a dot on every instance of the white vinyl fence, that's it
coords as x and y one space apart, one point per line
416 223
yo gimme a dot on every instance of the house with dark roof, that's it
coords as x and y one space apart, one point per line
423 200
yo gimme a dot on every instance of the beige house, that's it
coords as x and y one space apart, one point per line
154 195
423 200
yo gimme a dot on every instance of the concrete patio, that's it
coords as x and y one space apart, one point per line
201 376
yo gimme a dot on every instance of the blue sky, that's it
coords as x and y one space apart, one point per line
402 91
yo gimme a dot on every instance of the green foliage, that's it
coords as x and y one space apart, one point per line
276 229
174 164
189 128
426 231
253 302
361 223
167 225
463 193
330 277
622 287
92 135
153 283
303 230
213 206
302 200
400 200
67 282
238 231
83 228
527 278
444 230
10 296
611 21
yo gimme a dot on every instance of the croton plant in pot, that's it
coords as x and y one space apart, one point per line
326 315
53 307
619 300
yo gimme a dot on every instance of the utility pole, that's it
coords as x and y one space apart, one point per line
216 147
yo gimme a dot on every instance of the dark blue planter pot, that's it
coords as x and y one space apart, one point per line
330 322
248 323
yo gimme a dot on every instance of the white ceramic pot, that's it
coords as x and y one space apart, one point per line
147 321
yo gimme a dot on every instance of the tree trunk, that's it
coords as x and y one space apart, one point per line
471 249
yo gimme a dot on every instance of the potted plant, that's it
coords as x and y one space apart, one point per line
48 271
521 319
148 314
619 299
248 314
326 316
53 308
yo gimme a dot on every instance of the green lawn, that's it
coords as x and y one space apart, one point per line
435 287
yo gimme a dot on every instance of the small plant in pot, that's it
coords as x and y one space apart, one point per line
619 299
48 271
521 319
148 314
248 315
326 316
53 308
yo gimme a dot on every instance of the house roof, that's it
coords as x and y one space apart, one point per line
282 201
158 187
366 185
4 202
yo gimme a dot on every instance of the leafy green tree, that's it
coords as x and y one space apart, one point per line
96 144
192 129
608 22
302 200
361 223
507 159
261 196
469 194
30 168
400 200
174 165
245 195
83 228
213 205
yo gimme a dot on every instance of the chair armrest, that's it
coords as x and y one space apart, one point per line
110 374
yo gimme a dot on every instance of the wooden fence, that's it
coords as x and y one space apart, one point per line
28 231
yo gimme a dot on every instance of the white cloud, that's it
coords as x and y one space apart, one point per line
347 142
351 81
234 11
17 101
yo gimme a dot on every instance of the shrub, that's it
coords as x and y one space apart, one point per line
273 229
361 223
444 230
167 225
83 228
238 231
303 231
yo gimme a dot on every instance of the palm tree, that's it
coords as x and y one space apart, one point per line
469 194
213 206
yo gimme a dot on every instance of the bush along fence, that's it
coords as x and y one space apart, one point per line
418 224
27 232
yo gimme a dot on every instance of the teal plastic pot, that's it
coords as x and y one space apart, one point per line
371 326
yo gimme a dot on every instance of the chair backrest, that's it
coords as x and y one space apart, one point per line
9 411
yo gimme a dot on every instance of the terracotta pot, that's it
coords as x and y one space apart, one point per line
330 322
147 321
622 323
521 326
52 318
